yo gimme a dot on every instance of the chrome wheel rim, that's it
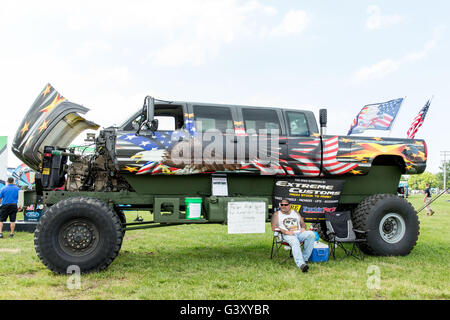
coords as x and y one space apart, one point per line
392 228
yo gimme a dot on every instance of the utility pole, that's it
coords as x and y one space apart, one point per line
445 154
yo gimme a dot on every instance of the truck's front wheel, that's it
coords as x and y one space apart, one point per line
80 232
391 223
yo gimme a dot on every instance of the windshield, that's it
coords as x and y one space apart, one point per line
129 118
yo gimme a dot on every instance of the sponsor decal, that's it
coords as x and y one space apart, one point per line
310 197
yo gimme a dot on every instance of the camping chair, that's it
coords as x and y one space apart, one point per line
340 231
277 244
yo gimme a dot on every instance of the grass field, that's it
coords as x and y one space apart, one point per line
204 262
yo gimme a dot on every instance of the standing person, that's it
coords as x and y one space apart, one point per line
427 200
9 196
293 230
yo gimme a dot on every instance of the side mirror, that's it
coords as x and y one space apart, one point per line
153 125
150 109
322 120
147 115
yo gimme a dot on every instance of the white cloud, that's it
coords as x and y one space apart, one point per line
387 66
378 70
171 33
294 22
203 33
418 55
376 20
202 36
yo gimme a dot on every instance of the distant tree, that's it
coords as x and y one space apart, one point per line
404 177
418 181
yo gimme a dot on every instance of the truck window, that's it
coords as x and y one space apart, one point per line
169 117
298 126
211 117
166 123
257 119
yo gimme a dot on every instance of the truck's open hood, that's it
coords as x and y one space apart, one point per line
51 121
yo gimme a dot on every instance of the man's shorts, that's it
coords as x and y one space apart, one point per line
8 210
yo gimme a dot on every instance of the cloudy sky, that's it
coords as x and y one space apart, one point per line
339 55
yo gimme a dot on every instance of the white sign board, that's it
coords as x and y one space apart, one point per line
195 210
219 186
246 217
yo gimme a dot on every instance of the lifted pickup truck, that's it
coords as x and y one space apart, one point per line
169 150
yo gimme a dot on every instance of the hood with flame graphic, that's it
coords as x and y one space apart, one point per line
51 121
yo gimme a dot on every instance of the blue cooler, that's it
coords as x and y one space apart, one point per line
319 253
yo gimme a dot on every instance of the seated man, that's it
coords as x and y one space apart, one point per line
293 230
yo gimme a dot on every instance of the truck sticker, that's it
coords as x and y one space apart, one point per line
310 197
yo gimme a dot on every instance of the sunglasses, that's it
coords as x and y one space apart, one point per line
284 204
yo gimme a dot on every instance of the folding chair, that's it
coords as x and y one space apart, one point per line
340 231
277 244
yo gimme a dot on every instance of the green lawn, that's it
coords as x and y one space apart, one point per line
204 262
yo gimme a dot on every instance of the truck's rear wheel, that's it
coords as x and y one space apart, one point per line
391 223
80 232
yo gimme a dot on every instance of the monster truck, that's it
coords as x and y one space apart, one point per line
168 151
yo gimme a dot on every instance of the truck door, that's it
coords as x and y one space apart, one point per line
215 123
304 146
141 153
265 140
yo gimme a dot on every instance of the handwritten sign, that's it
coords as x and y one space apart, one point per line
246 217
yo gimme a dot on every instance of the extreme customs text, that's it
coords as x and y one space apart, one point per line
306 188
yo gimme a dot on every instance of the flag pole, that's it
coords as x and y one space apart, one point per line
392 124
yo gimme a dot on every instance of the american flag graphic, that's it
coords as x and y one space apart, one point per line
153 167
268 167
308 154
418 120
162 140
377 116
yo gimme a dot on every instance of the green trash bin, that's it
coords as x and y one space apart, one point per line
193 208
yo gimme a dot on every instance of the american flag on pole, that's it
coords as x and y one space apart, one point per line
418 120
378 116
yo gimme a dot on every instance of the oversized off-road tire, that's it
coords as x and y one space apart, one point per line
80 232
391 223
122 218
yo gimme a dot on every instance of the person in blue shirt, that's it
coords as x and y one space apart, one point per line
9 196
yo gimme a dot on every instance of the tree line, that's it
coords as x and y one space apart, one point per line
435 180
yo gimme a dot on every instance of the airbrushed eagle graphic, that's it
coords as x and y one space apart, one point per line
303 158
317 156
